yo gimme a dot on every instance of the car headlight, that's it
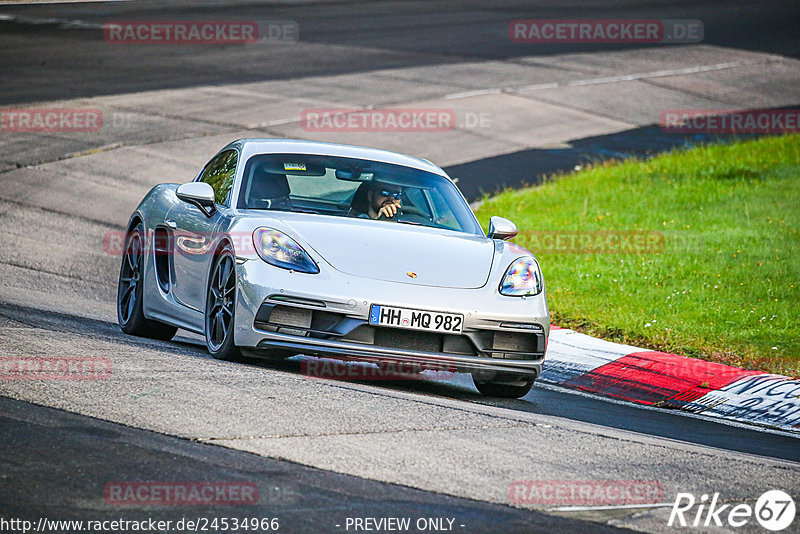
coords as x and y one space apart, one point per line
280 250
522 278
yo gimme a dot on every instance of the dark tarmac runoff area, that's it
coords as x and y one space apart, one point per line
46 61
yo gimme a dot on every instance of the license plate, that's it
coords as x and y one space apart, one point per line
415 319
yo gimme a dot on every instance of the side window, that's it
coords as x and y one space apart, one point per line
415 200
443 215
219 174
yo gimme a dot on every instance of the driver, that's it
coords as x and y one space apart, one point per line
377 200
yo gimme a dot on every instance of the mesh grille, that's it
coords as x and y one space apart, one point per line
408 339
290 316
514 341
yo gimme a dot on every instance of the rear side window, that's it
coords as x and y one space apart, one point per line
219 174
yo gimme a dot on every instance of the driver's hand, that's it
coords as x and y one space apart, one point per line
389 209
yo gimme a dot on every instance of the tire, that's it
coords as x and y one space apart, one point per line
502 385
130 291
221 308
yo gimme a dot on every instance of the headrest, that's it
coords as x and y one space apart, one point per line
267 185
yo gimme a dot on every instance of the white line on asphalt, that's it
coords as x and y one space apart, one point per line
477 92
534 87
609 507
658 74
38 2
65 23
610 79
276 122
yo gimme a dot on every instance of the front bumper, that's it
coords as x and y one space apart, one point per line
326 314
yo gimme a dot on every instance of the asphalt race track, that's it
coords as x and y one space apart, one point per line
322 451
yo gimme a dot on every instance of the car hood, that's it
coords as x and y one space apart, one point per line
390 251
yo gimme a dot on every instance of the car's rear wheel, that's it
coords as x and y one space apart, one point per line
503 385
130 291
221 307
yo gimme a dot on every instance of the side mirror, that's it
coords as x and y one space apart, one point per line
500 228
200 194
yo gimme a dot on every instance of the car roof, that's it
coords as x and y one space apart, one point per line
250 147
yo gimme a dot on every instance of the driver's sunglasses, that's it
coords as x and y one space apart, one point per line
393 194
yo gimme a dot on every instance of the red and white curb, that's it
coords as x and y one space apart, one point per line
664 380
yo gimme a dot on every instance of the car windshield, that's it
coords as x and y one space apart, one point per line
348 187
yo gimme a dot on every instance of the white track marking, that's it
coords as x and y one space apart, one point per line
64 23
612 79
477 92
609 507
659 73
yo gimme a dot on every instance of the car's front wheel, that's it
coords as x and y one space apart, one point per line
221 307
130 291
503 385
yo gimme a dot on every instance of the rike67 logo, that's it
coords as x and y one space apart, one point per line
774 510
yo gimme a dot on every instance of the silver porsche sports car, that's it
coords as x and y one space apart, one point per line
284 247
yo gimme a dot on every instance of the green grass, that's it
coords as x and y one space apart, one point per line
722 285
